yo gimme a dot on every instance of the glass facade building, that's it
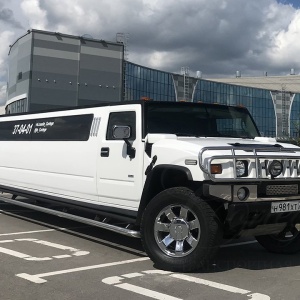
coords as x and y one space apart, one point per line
145 82
162 86
68 71
258 101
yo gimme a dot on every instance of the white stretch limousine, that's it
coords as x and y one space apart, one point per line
181 175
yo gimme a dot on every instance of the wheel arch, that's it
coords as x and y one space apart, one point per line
161 178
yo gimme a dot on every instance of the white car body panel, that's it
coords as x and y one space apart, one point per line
75 170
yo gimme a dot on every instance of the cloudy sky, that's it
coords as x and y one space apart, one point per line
217 37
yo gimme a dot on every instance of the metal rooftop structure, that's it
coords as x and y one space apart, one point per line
290 83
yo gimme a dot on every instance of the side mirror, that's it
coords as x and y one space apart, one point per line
124 133
121 132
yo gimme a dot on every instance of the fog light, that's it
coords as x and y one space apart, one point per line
242 193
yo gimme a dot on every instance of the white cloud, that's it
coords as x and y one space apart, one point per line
287 48
37 17
217 37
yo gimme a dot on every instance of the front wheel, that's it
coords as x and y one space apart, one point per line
180 232
286 242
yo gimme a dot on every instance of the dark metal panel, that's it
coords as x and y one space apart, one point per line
100 75
99 85
55 53
48 80
54 65
35 107
102 45
55 97
55 37
100 78
83 102
57 45
96 93
100 63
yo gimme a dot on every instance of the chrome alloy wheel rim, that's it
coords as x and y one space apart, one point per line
177 230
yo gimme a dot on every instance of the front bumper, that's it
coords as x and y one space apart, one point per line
257 192
252 219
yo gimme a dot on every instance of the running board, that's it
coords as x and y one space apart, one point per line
114 228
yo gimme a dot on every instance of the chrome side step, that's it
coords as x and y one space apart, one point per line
114 228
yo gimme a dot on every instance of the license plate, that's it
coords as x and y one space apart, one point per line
286 206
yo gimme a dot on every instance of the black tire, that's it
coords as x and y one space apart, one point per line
286 242
178 214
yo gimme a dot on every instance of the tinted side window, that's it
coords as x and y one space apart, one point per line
64 128
127 118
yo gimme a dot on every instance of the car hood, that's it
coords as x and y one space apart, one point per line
196 144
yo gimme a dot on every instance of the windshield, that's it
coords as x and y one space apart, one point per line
200 120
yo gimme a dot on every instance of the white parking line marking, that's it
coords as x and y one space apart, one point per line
74 251
31 258
146 292
62 256
216 285
38 278
80 253
117 281
32 278
54 245
28 232
112 280
132 275
14 253
220 286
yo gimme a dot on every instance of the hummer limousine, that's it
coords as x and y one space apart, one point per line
182 176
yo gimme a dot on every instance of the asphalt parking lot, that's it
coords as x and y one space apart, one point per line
48 257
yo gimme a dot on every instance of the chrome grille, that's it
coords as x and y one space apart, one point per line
257 155
291 189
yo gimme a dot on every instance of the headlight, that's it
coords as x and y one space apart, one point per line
275 168
240 168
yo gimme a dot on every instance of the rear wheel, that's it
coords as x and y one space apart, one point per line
286 242
180 232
